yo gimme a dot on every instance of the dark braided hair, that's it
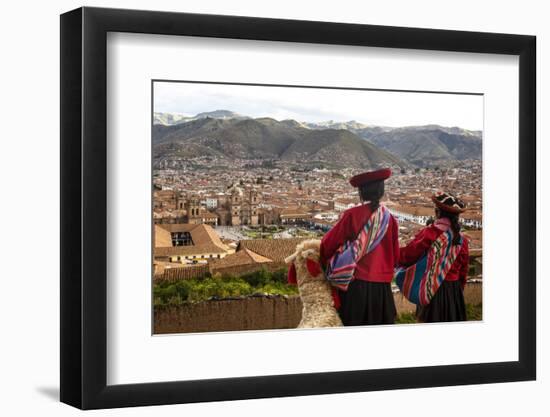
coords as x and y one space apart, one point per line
373 192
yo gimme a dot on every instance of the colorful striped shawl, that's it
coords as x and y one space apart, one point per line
420 281
341 266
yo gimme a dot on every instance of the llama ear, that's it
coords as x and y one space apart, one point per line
313 267
291 258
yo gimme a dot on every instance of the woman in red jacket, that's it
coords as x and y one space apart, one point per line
369 297
448 302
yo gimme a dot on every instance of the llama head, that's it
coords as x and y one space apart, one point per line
306 259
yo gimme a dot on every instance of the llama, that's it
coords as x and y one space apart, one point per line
315 291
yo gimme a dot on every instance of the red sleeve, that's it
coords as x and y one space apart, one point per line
395 231
464 262
341 232
409 254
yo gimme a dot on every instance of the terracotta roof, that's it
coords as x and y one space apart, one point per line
294 212
346 200
242 257
415 210
165 193
201 234
179 227
163 238
189 250
256 257
186 272
205 240
274 249
471 215
207 215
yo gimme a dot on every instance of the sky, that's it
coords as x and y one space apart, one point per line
380 108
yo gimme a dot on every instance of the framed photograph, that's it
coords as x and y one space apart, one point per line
257 208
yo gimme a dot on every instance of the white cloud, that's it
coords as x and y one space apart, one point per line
385 108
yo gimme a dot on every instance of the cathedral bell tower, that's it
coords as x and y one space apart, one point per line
236 202
193 209
254 201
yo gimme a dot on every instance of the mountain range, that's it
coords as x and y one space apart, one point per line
432 144
169 119
225 134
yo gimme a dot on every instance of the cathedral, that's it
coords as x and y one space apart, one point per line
237 206
243 206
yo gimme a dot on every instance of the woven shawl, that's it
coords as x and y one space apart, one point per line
420 281
341 266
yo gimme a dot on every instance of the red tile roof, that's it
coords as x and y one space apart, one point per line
275 249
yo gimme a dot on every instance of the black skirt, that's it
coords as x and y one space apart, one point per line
446 305
367 303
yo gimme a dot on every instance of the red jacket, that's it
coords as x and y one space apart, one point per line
376 266
422 242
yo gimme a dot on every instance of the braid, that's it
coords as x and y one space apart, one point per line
455 225
372 192
374 204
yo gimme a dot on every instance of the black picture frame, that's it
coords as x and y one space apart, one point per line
84 207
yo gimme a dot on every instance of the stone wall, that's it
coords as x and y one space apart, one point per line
256 313
253 313
473 293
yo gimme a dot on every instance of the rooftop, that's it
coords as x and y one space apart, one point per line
242 257
275 249
205 240
200 233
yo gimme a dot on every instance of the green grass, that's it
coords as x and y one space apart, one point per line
258 235
473 313
306 233
405 318
222 286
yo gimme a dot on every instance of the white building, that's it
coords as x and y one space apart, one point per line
341 204
401 217
211 202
